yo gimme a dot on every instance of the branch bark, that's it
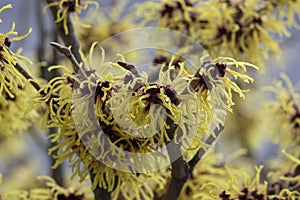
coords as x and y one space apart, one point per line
179 174
26 75
56 173
70 39
68 53
100 193
182 170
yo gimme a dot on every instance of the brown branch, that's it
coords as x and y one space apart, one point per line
30 78
100 193
56 173
179 166
41 28
70 39
42 47
25 74
68 53
182 170
130 68
179 173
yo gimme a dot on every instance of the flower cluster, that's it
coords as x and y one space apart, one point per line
9 76
216 178
240 29
101 118
252 189
14 89
284 118
52 191
116 122
177 15
65 7
284 177
60 97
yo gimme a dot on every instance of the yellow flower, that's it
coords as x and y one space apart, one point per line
70 6
52 191
240 29
151 105
232 70
249 189
177 15
102 119
284 112
105 25
77 146
14 89
14 117
218 178
4 8
10 77
287 11
284 177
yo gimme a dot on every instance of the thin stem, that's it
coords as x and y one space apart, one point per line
26 75
41 28
130 68
30 78
68 53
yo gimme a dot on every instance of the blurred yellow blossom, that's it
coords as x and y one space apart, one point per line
284 112
51 191
14 117
240 29
65 7
106 25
